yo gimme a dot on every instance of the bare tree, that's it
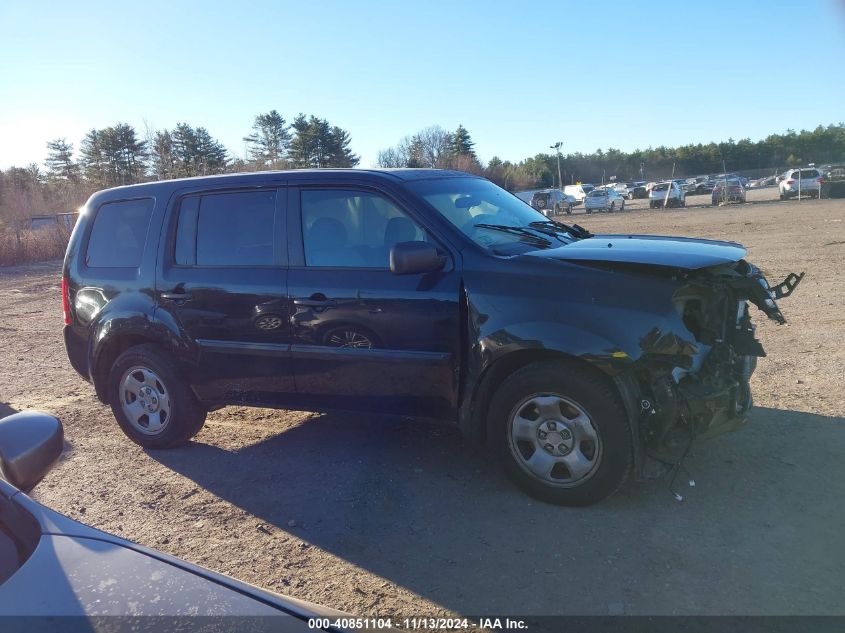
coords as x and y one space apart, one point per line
431 147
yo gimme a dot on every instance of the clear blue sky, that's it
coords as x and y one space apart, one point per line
518 75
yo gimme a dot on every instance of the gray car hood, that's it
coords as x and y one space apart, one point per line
77 570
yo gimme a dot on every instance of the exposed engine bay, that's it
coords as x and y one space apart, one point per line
697 386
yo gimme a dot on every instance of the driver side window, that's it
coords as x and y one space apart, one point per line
352 229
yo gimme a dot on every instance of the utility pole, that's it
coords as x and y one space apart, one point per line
557 147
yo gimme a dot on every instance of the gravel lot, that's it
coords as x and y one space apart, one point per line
386 516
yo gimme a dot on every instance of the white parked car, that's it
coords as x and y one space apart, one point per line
579 192
808 181
604 200
657 195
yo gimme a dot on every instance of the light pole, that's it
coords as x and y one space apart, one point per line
557 147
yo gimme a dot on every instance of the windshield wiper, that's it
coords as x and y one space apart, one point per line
576 231
518 230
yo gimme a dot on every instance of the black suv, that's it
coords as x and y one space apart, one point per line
575 358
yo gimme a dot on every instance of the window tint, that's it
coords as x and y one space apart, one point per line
352 229
119 233
186 232
226 229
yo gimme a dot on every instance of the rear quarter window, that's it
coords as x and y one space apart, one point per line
119 233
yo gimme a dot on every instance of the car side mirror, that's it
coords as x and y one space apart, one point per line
411 258
30 444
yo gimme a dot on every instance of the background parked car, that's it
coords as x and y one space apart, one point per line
806 181
579 191
834 181
727 191
703 185
636 190
552 202
684 185
604 200
666 193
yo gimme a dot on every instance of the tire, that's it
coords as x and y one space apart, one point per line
630 196
622 208
588 211
569 209
557 209
612 207
599 446
166 399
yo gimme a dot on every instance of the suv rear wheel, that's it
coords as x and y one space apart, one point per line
151 402
562 434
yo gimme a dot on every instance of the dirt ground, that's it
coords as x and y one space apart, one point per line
387 516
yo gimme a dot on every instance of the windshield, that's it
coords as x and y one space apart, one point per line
662 187
490 216
587 188
597 193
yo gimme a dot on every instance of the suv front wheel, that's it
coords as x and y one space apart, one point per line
151 402
562 434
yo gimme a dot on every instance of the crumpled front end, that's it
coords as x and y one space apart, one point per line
694 380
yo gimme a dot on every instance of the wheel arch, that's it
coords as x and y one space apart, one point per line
474 421
115 335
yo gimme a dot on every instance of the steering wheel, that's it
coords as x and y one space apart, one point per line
483 218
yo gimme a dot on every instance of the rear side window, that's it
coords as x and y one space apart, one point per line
226 229
119 234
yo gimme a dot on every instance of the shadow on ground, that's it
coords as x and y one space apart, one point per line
6 410
760 533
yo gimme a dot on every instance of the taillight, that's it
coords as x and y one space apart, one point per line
790 182
66 300
821 180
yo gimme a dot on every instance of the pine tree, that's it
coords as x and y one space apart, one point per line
92 161
301 143
316 143
113 156
210 153
161 154
341 155
269 141
59 161
462 144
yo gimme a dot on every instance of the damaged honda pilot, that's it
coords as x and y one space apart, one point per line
577 359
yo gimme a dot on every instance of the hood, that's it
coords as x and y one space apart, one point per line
676 252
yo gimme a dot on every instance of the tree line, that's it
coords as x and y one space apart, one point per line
120 155
436 147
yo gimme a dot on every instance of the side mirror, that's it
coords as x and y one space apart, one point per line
30 444
410 258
